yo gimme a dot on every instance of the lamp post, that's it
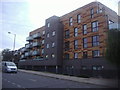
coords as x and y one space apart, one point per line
14 40
13 44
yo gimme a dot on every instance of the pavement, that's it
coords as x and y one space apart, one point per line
111 83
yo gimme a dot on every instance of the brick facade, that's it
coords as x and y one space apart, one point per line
80 41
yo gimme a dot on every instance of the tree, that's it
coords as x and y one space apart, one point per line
113 47
7 55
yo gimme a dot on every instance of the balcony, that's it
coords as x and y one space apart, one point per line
28 54
22 57
37 35
35 53
113 26
28 46
30 38
23 50
35 44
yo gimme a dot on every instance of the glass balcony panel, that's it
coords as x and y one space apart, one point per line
30 38
37 35
36 44
36 53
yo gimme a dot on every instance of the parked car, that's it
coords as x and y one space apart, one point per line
9 67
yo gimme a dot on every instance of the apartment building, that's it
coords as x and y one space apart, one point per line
72 44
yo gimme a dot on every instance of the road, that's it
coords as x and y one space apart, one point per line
27 80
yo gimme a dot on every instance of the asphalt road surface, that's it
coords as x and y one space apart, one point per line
26 80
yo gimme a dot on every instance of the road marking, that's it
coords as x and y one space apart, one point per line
33 80
13 83
18 86
8 81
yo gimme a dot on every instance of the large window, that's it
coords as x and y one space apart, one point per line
53 33
48 45
92 12
75 32
43 41
95 26
42 51
53 44
53 55
96 53
43 32
67 34
75 55
84 54
46 56
48 35
84 29
84 42
75 44
67 45
97 67
70 21
48 24
95 40
78 18
66 57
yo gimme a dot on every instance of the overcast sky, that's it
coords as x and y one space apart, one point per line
22 16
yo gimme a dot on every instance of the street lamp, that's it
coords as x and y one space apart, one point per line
14 40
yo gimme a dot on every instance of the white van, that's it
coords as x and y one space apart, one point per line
9 67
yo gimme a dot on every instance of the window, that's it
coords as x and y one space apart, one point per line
53 55
97 67
96 53
84 67
43 41
42 51
78 18
67 45
95 40
47 45
43 32
84 29
53 44
66 57
67 34
70 21
75 32
53 33
95 26
92 12
46 56
48 24
84 54
75 44
75 55
48 35
84 42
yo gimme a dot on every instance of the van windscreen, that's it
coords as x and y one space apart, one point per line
10 64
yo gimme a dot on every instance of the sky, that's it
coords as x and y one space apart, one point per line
22 16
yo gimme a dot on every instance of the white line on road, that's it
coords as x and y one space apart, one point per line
13 83
19 86
8 81
33 80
